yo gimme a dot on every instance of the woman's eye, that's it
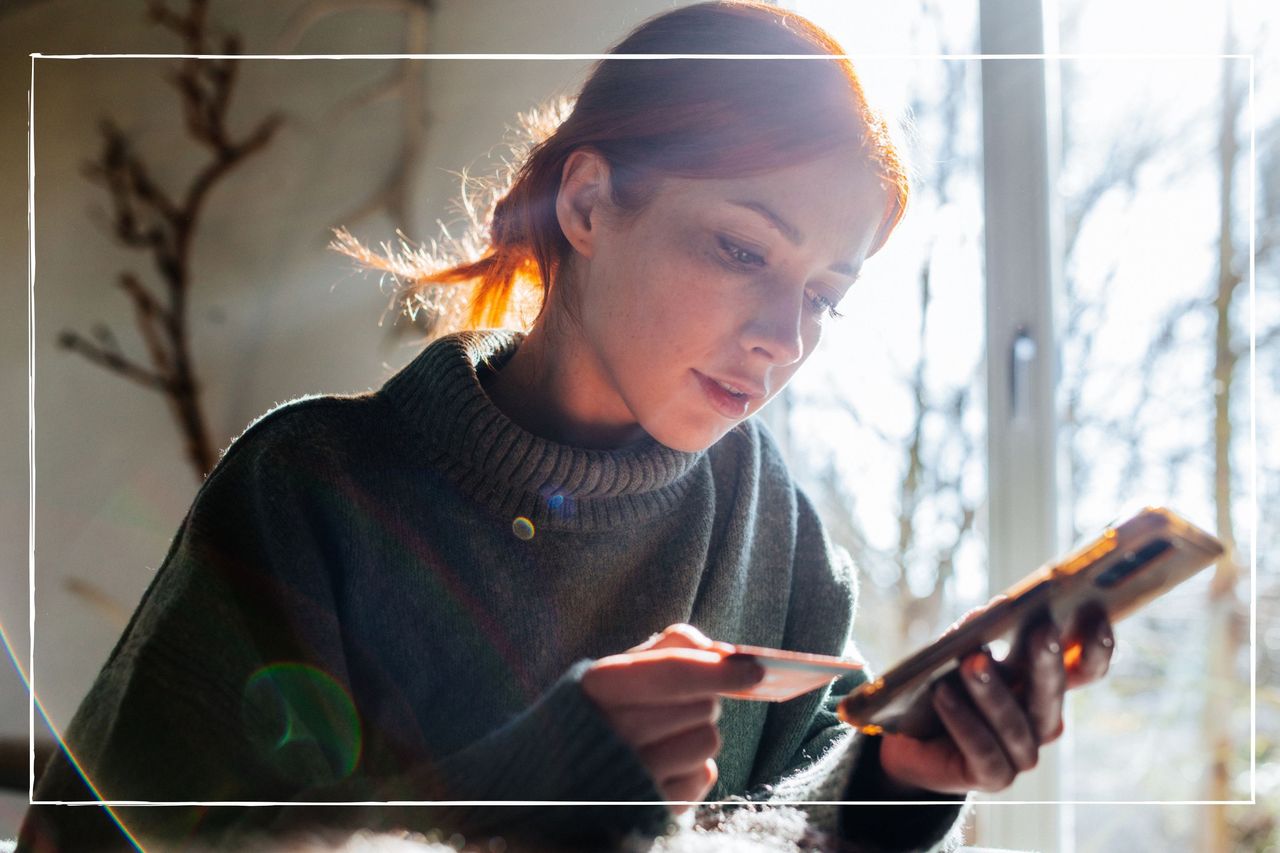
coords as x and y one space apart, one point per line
739 255
822 305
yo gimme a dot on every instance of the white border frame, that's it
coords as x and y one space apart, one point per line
1040 368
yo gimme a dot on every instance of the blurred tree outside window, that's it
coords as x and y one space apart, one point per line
1154 403
887 426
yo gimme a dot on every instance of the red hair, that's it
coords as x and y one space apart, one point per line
693 118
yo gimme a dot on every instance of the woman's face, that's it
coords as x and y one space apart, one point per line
719 282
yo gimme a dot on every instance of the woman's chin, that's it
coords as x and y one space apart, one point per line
691 439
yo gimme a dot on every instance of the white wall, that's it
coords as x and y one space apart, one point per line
273 314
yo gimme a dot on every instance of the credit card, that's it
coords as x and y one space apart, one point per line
791 674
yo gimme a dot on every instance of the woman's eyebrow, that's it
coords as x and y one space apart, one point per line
790 231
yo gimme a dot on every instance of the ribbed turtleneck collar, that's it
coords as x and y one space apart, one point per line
513 472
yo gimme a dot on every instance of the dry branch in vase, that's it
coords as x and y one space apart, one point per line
148 218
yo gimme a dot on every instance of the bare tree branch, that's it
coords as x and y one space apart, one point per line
99 599
113 361
1162 344
147 218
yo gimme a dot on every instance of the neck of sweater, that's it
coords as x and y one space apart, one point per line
513 472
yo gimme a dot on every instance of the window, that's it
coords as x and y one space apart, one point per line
1107 292
1153 400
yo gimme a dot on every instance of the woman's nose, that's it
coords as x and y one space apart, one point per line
776 329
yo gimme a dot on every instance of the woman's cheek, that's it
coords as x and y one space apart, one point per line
685 291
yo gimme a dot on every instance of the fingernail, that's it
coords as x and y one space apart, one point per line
980 669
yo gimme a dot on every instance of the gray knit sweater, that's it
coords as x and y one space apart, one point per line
393 596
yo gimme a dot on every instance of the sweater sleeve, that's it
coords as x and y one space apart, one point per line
821 758
230 685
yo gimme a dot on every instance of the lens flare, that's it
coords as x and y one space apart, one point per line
522 528
306 722
62 746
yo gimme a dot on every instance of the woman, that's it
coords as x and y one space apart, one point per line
424 593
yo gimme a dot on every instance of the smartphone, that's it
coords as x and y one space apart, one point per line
1127 566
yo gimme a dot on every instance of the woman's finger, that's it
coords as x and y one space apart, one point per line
1036 662
645 724
1090 644
667 676
1003 713
986 766
682 636
691 786
681 754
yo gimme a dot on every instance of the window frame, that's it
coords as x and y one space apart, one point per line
1023 265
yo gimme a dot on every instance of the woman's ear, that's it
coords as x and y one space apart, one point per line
584 187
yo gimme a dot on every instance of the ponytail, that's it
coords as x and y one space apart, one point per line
494 274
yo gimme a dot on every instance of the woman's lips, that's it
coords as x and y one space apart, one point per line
721 400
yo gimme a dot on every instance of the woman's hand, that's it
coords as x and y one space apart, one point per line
661 698
997 715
